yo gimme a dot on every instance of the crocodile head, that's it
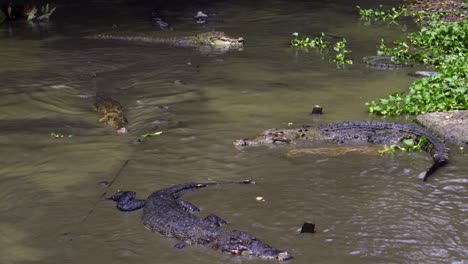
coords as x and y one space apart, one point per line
240 243
280 136
219 39
271 136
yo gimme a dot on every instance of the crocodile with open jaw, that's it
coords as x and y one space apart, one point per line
213 39
355 132
165 213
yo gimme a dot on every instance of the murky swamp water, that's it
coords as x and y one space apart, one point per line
368 209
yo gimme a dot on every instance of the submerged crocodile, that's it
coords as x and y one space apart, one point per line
383 62
356 132
113 113
167 214
213 39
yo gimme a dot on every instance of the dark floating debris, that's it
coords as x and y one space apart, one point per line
317 110
308 227
103 183
201 17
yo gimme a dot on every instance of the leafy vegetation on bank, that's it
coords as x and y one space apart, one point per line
408 145
443 45
380 14
448 90
322 45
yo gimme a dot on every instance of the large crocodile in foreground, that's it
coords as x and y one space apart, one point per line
356 132
212 39
167 214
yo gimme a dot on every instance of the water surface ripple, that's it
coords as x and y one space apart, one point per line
368 209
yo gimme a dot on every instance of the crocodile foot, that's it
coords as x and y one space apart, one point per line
215 220
126 201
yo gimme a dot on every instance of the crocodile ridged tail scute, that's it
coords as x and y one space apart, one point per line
382 62
371 131
147 39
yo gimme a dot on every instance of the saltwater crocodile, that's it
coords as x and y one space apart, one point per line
113 113
166 213
212 39
383 62
356 132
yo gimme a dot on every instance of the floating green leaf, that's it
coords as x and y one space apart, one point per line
149 135
59 135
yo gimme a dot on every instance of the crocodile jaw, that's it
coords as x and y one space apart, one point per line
228 42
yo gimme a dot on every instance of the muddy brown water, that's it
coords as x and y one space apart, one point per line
367 208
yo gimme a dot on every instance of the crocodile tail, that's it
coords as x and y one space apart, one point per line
434 145
132 38
437 164
178 190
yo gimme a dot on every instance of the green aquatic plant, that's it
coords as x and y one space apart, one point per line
408 145
46 12
384 15
31 14
153 134
430 44
341 53
317 42
59 135
2 17
322 45
448 90
443 45
44 15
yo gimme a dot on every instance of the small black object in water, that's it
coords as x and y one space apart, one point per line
308 227
317 110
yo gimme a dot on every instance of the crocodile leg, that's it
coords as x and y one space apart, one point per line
214 220
181 245
131 205
188 206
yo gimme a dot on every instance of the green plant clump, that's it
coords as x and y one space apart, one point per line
317 42
443 45
383 15
408 145
322 45
430 44
43 15
59 135
150 135
448 90
341 51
